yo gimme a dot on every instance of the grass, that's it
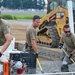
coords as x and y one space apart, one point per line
26 16
23 16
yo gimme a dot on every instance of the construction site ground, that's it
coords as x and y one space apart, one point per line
48 57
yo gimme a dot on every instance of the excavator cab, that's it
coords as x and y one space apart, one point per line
53 4
51 25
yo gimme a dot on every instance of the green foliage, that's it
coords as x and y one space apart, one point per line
7 16
24 16
23 4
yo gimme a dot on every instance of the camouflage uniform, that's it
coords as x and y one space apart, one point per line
31 34
69 46
3 30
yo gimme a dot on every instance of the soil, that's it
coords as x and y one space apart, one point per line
18 30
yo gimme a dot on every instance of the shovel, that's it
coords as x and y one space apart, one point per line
67 55
39 65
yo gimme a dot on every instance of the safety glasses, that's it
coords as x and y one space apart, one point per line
67 31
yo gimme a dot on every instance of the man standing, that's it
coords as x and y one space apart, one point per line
31 36
69 46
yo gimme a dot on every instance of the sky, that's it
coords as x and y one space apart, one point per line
46 1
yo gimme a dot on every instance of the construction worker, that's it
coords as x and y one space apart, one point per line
31 36
69 46
5 38
7 45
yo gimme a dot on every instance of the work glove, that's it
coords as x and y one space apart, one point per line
36 55
60 45
0 54
70 56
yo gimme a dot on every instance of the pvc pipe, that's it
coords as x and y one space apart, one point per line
70 14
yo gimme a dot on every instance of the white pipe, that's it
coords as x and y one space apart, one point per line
70 14
63 73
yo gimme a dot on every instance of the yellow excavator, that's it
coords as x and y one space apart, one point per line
51 26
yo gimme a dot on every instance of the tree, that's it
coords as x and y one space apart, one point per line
27 4
24 4
52 4
41 4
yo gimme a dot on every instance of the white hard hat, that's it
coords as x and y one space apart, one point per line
18 65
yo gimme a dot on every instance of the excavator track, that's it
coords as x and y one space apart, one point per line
52 38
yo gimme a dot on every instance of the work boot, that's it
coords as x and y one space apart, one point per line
64 68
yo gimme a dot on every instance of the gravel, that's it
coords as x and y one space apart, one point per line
54 66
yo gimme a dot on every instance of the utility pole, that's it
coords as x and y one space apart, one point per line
70 14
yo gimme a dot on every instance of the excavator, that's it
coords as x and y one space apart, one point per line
51 25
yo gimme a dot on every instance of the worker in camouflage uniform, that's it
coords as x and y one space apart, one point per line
31 36
5 39
69 46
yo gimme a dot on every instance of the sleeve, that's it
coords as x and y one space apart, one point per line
61 38
5 29
32 34
73 39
